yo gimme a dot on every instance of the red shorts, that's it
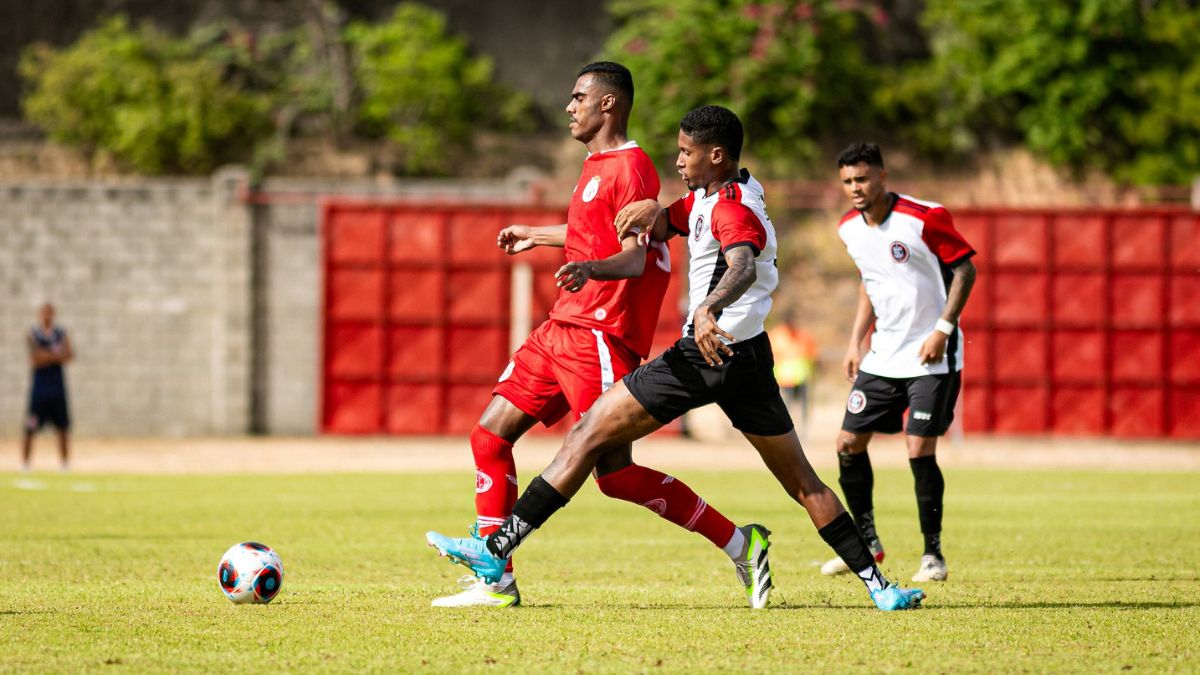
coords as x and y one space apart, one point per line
563 368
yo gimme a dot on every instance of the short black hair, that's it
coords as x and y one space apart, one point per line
612 75
859 153
714 125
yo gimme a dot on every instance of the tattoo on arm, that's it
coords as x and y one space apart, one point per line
738 279
960 289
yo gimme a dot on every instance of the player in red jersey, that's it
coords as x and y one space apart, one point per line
724 357
597 333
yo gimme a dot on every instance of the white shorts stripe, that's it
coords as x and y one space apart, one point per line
606 369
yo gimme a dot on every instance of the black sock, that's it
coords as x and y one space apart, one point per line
844 538
858 481
930 488
539 501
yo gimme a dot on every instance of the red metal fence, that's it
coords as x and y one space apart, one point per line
1083 323
417 312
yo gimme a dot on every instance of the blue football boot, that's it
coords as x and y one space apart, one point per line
893 597
471 553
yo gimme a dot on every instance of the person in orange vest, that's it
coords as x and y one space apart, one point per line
795 364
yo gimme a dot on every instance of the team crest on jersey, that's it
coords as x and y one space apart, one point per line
857 402
590 190
698 227
899 252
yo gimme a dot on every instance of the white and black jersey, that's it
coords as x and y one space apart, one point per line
743 385
905 264
735 215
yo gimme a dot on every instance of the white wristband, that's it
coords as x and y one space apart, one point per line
943 326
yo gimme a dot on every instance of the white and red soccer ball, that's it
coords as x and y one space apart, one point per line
250 572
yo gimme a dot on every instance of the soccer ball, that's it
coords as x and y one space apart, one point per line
250 573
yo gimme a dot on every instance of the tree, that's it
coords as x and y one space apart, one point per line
793 71
152 102
421 89
1097 84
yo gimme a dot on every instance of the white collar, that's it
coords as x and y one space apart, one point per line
626 146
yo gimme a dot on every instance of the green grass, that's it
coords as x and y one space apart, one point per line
1050 571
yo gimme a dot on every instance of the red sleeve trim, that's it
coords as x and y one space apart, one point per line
848 216
940 236
735 222
912 208
736 244
678 212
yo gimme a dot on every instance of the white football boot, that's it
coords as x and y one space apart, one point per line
753 570
932 568
838 566
478 593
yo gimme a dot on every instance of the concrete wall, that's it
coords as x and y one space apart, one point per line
135 272
193 305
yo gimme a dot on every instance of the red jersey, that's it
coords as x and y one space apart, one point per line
626 309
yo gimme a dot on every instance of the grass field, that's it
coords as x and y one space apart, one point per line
1050 571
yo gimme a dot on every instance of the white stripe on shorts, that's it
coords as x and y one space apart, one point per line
606 370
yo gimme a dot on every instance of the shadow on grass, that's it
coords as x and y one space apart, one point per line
1103 604
791 606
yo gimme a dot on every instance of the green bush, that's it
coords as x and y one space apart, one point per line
1088 84
792 71
154 103
420 88
159 104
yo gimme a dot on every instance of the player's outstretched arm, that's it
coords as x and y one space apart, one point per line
629 263
646 219
961 283
516 238
864 316
739 276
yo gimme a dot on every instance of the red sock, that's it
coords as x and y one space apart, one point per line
495 480
670 498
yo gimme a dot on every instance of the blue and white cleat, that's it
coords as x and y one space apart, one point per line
471 553
893 597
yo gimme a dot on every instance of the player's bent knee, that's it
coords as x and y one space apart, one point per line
850 444
586 440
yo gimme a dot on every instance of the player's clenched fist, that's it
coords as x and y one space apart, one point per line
515 238
573 275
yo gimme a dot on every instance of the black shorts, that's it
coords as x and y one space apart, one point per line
743 386
878 404
51 409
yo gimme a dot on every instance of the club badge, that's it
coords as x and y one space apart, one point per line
590 190
857 402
